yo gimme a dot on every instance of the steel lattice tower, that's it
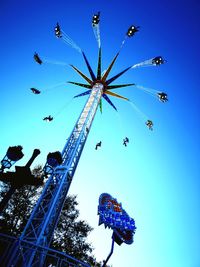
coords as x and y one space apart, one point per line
44 218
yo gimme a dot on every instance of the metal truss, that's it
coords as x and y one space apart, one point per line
52 258
39 230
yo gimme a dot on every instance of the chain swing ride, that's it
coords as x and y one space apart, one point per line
33 244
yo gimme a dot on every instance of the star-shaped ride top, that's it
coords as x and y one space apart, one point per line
102 79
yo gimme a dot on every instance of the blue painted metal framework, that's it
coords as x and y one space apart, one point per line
44 218
53 258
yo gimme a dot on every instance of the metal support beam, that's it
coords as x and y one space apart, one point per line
44 218
110 254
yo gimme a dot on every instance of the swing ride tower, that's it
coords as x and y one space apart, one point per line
40 227
32 246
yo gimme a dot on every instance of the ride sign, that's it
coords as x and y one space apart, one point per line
113 216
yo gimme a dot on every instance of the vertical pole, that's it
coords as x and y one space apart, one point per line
110 254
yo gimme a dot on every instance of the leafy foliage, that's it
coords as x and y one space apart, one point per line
71 233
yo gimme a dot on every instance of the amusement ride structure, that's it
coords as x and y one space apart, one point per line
32 248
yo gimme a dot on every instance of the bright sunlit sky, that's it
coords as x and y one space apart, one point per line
156 177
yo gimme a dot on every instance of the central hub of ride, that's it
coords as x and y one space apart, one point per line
100 86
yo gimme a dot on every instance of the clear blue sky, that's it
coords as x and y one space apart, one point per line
157 176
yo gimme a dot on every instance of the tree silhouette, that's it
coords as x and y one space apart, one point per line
71 233
14 217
